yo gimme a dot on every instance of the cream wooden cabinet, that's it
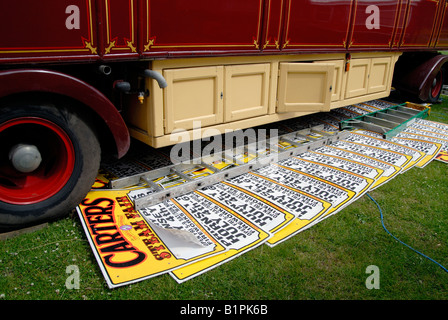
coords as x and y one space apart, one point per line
379 74
212 95
367 76
193 96
246 91
305 87
357 78
231 93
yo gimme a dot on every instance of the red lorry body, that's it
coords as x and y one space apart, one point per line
54 56
33 31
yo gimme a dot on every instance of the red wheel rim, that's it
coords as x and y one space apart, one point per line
437 86
58 160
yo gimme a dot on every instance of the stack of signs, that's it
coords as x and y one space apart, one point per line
191 234
425 133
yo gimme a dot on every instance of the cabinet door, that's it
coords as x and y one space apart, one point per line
246 91
305 87
358 78
193 95
379 74
337 83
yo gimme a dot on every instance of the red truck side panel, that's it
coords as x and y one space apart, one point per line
365 35
120 28
441 40
32 30
311 25
420 23
274 12
198 25
80 30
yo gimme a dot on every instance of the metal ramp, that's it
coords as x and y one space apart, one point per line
387 122
179 179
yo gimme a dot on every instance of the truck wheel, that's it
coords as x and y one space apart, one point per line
49 158
436 88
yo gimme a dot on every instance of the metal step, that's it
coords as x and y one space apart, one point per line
176 180
389 121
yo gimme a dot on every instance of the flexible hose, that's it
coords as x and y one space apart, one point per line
384 227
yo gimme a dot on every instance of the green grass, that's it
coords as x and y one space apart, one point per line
328 261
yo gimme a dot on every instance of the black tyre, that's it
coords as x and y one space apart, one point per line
49 158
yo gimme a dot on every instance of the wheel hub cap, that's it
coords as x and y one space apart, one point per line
25 157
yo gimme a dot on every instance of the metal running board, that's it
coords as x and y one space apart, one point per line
176 180
387 122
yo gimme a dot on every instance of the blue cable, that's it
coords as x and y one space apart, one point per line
382 222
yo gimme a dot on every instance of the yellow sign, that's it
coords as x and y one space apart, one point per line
442 156
305 207
237 234
129 248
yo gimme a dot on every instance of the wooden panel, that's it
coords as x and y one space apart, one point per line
317 24
442 38
48 28
337 82
305 87
202 25
357 78
419 23
375 24
274 15
120 27
379 74
246 91
193 94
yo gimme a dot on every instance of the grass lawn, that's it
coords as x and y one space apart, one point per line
328 261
